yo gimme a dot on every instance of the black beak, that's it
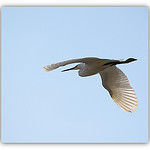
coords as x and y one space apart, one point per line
69 69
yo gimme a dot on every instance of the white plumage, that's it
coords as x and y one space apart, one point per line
113 79
118 86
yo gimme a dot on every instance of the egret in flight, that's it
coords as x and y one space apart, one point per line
113 79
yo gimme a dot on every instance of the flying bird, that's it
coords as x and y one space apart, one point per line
113 79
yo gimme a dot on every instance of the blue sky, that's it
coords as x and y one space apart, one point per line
62 107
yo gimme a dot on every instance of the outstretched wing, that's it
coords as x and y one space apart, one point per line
118 86
63 63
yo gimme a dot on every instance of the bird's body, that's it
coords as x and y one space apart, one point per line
91 68
113 79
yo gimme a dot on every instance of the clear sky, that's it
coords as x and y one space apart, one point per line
39 106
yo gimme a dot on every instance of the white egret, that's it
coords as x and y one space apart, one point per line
113 79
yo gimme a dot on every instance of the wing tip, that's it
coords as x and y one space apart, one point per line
125 107
132 110
45 69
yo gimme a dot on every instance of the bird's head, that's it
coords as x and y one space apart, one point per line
130 60
77 67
